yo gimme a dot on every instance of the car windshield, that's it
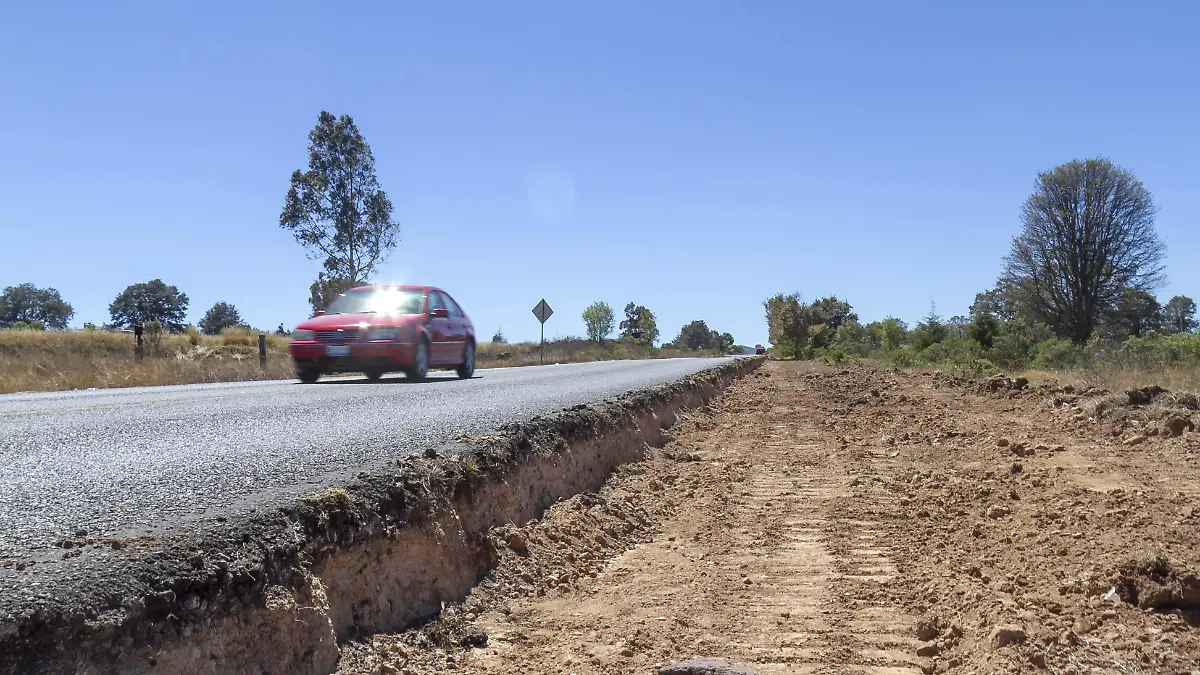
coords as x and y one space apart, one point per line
377 301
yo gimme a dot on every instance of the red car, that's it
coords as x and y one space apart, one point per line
381 329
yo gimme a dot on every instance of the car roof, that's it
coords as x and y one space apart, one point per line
402 287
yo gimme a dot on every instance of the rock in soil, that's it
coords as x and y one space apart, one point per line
1003 636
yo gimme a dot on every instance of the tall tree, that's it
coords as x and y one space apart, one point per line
726 344
220 316
1087 237
28 304
639 325
336 210
1136 314
698 336
787 323
825 315
1179 315
150 301
599 320
930 330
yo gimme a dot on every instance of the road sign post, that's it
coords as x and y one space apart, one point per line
542 311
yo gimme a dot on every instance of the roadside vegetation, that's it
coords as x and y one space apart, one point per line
34 360
1075 298
42 360
576 350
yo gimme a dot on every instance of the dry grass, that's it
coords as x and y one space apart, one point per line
1122 379
56 361
66 360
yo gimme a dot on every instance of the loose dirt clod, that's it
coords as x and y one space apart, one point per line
1154 583
1003 636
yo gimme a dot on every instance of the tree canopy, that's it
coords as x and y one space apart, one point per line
1087 237
29 305
337 211
220 316
639 325
1179 315
798 327
150 301
598 319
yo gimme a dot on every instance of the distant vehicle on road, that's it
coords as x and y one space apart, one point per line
759 349
382 329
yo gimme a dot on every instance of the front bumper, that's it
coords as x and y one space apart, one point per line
363 355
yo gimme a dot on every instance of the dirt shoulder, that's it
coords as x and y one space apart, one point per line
817 520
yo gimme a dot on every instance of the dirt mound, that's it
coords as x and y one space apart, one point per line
1004 384
1154 583
1145 395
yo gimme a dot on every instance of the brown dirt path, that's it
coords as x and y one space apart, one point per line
854 520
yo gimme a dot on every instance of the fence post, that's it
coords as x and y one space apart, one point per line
137 333
262 350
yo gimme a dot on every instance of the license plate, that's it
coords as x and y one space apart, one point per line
337 350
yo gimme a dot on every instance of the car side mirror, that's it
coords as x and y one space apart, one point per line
439 313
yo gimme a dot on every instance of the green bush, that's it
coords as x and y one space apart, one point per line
831 355
1056 354
956 350
903 357
27 325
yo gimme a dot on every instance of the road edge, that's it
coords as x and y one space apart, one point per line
275 593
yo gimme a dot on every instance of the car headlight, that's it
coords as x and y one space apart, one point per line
303 335
380 333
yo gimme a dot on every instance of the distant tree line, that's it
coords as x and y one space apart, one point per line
153 302
1077 288
641 327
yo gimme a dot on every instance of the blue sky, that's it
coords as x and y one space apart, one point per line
694 157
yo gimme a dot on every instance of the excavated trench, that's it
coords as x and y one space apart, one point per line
277 593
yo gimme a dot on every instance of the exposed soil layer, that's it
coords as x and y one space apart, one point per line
856 520
278 593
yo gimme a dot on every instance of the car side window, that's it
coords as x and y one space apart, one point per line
436 301
455 311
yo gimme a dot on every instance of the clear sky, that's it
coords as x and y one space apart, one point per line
694 157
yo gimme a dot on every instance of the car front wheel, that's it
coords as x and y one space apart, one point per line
467 368
420 365
308 375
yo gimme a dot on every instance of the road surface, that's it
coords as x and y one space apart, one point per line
119 462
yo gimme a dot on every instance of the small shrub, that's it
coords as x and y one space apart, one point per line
27 325
983 368
903 357
1056 354
193 336
831 355
152 333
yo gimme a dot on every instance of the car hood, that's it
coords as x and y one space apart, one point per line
357 321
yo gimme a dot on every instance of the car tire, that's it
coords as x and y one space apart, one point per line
467 368
374 374
308 375
420 365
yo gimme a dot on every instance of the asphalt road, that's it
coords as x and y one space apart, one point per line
121 462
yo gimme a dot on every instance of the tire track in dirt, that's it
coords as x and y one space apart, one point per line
753 549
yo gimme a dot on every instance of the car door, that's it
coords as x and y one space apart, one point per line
459 325
441 334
